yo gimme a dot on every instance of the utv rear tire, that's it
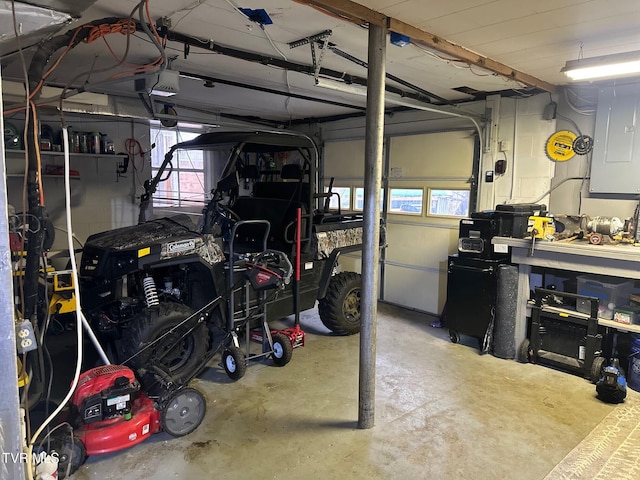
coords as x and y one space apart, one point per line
340 308
182 359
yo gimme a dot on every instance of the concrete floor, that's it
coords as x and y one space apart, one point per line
442 412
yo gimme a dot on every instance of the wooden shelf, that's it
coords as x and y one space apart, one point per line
621 327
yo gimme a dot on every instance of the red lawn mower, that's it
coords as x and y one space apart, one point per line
110 411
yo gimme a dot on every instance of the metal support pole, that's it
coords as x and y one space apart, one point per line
374 135
11 434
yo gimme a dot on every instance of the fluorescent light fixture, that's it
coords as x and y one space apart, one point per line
353 88
607 66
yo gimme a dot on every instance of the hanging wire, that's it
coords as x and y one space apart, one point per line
579 111
189 9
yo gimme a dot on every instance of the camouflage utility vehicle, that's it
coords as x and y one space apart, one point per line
141 285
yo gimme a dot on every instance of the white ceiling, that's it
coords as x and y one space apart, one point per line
533 37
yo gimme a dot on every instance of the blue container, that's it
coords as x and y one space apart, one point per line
633 377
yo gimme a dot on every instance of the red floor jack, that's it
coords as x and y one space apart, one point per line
112 410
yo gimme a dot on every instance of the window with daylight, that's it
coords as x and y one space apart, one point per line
406 201
358 201
185 184
344 193
449 203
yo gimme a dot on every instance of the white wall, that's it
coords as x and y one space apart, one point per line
529 170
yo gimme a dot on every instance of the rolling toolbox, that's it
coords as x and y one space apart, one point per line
472 285
564 338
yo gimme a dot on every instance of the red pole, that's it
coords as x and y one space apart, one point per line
298 221
297 284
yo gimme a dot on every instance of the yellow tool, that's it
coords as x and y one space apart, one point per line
23 378
63 299
540 227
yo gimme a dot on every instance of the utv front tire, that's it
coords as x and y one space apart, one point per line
179 353
340 308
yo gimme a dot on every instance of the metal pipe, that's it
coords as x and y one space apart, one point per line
374 135
10 416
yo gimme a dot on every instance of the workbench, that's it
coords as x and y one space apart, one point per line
619 260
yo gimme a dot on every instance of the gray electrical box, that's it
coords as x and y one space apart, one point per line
615 165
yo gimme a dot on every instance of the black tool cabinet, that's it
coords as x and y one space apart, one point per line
472 285
564 338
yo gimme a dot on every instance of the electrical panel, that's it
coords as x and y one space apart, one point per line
615 165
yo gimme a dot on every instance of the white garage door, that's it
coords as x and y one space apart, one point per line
427 189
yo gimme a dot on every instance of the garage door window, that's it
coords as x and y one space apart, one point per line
344 193
407 201
358 203
449 203
185 184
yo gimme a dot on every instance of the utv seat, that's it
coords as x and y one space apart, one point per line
295 191
280 213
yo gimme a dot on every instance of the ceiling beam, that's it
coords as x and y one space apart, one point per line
348 10
360 14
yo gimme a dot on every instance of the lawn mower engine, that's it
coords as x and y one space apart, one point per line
112 410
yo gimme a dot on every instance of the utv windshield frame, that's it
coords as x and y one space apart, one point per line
256 142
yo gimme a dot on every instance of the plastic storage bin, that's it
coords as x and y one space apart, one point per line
628 315
610 291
